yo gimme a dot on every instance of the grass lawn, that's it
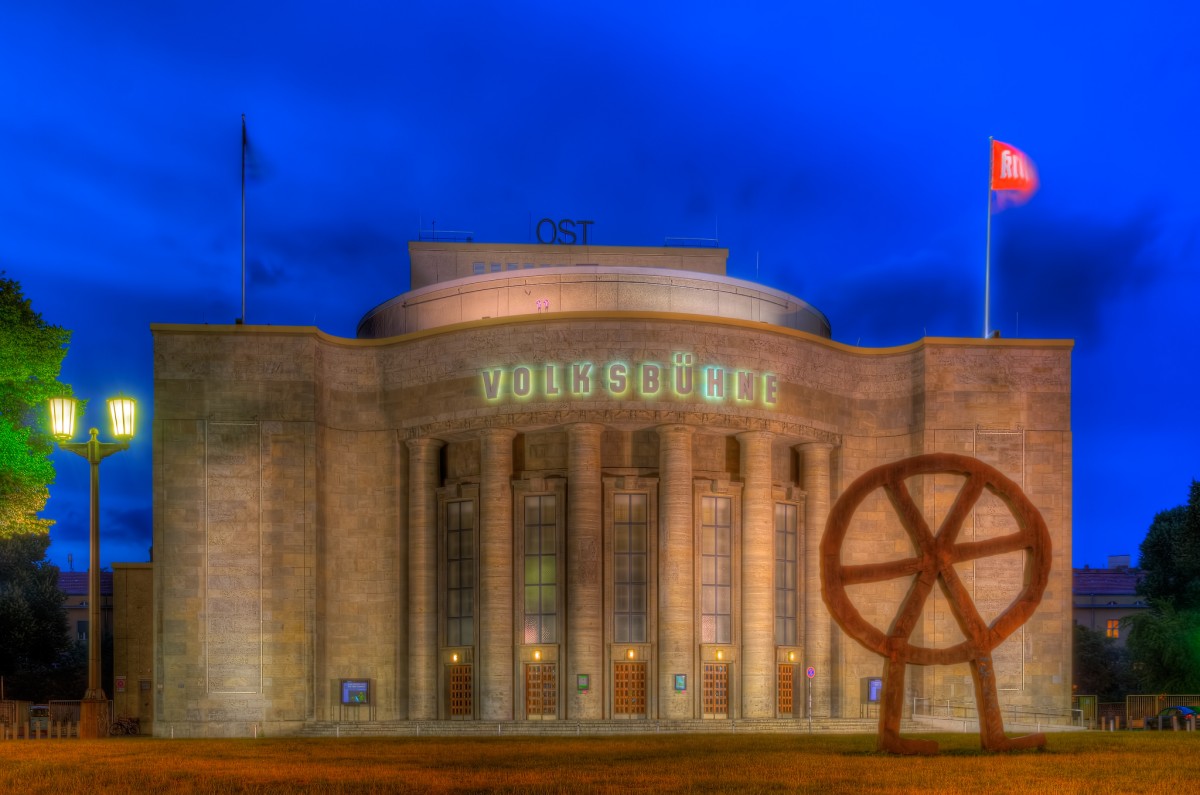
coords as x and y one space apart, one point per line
1094 762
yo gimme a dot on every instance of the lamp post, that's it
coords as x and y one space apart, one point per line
93 708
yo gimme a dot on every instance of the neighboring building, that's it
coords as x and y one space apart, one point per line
574 482
133 643
1104 597
75 585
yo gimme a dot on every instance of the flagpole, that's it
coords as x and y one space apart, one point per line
243 317
987 257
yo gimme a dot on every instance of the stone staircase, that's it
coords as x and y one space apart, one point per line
571 728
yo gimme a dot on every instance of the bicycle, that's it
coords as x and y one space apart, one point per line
124 726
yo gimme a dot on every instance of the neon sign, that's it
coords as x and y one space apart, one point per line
683 378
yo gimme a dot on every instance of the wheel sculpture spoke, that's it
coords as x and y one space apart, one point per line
964 503
880 572
973 550
910 516
961 605
934 564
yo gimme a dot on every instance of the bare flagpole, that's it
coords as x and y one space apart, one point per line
987 259
242 319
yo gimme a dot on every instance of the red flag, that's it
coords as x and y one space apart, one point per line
1012 170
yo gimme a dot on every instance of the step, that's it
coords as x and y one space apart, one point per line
590 728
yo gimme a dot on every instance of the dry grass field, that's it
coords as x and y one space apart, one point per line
1084 763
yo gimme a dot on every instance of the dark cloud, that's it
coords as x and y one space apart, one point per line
1065 277
127 526
903 300
260 274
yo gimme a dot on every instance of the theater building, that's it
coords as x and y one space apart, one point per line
568 482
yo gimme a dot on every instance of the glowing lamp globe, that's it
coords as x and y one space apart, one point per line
122 410
62 418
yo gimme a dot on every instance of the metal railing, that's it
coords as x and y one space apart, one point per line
63 720
66 711
690 242
1140 707
1013 714
446 235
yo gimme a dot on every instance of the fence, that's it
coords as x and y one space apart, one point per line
1138 708
1112 715
63 720
64 711
1013 715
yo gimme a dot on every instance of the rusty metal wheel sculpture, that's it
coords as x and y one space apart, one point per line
933 563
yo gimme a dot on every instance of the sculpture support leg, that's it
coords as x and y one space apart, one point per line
890 711
991 722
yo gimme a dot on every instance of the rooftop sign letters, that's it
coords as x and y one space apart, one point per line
681 379
548 231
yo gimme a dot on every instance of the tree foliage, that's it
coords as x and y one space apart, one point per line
31 354
1165 644
1165 640
1103 668
35 649
1170 556
35 645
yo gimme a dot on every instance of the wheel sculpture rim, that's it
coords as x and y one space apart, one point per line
934 562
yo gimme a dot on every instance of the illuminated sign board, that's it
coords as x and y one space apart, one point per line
356 691
683 378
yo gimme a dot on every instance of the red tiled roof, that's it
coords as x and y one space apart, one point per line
75 583
1110 582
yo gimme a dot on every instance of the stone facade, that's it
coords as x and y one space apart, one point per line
133 643
571 515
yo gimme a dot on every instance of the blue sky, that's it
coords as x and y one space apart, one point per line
839 151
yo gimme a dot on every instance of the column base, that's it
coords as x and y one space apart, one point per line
93 717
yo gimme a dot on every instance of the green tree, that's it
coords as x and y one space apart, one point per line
1165 640
31 355
1165 644
35 650
1170 555
1103 668
35 646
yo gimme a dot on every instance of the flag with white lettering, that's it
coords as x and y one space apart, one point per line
1014 176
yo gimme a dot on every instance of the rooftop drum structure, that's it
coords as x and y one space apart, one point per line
452 284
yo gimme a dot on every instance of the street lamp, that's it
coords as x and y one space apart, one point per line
93 708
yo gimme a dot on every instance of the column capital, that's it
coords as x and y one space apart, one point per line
813 446
497 433
424 443
750 436
585 427
675 429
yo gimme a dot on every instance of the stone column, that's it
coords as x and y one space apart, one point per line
424 466
676 574
401 568
585 585
818 626
495 592
758 580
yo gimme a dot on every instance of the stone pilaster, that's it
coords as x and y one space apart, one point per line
676 565
758 581
818 626
585 593
495 594
423 475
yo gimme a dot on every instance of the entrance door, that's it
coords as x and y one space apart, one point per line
541 691
716 690
629 690
786 698
462 703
